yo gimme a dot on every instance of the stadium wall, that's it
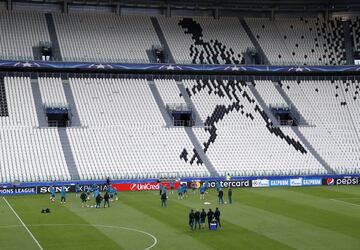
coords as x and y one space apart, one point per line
153 184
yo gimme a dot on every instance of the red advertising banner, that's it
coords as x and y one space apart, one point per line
144 186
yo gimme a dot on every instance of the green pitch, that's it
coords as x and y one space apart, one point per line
272 218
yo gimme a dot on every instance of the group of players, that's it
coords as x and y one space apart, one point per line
110 195
197 218
183 189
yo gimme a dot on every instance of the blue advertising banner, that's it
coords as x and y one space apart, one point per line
210 69
280 183
311 181
17 190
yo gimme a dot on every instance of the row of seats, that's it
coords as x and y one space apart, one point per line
52 92
29 154
115 102
334 132
120 152
20 102
20 32
198 40
105 37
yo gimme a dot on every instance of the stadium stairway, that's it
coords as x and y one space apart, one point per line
75 119
40 111
348 43
68 155
278 86
162 39
160 104
254 41
199 151
189 103
53 37
263 104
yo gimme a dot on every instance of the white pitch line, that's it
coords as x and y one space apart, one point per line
348 203
27 229
93 225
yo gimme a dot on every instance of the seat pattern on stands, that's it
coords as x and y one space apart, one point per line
236 93
211 52
300 41
3 103
204 40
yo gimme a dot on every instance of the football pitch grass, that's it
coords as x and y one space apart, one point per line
269 218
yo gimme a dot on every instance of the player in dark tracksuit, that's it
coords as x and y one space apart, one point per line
83 198
217 216
163 199
106 199
98 200
197 219
220 195
202 218
191 219
210 216
230 195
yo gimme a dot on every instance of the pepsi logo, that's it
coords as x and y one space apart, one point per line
330 181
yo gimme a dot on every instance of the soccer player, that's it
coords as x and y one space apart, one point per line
52 194
197 219
217 185
111 192
217 216
191 219
230 195
83 198
206 186
98 200
180 192
163 199
93 187
172 185
160 188
106 199
63 195
210 216
77 189
88 192
202 218
164 189
185 187
220 195
96 192
115 193
193 186
202 192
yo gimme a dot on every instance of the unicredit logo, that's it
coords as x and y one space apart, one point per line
144 186
330 181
